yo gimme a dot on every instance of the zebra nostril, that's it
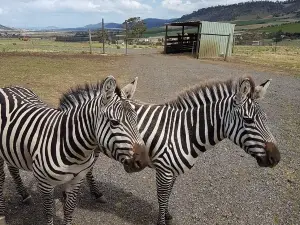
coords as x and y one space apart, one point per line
126 162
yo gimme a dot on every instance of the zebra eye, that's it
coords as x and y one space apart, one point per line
115 122
248 120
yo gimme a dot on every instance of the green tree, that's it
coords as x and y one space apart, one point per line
135 27
278 36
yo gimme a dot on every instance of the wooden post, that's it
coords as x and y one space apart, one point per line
166 38
197 50
227 47
90 41
126 37
182 33
103 41
233 44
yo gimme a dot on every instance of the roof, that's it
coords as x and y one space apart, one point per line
187 23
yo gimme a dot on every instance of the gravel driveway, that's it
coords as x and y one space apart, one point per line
224 187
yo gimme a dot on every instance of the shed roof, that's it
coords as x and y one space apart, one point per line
187 23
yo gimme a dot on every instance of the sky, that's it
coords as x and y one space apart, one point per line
76 13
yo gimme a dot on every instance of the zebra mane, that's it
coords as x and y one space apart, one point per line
187 97
81 94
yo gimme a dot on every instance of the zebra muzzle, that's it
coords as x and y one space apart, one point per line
271 158
139 160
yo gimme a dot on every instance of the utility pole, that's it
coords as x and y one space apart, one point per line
90 41
126 37
103 41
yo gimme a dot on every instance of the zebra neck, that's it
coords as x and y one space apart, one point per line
187 131
79 132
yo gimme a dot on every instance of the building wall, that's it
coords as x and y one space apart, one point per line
214 45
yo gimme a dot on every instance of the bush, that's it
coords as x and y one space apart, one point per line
118 47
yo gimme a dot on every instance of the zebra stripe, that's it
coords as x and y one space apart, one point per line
58 144
177 132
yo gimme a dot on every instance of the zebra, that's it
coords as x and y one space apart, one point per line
58 144
177 132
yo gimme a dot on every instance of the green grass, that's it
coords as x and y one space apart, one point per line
289 27
251 22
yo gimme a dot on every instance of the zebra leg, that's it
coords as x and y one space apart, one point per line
164 182
94 187
71 193
2 178
168 215
48 202
15 173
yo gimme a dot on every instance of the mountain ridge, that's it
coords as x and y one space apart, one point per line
244 11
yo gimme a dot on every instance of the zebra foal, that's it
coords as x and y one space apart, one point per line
58 145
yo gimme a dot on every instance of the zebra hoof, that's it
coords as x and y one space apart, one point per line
101 199
27 200
168 217
2 220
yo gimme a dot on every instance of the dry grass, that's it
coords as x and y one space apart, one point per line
285 59
49 75
51 46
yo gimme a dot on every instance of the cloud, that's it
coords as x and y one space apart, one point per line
81 6
1 11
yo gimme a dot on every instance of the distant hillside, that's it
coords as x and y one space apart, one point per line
5 28
245 11
154 22
149 22
106 25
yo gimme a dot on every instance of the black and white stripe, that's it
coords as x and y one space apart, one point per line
175 133
58 144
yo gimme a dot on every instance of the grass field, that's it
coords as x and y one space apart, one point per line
49 75
289 27
286 58
49 45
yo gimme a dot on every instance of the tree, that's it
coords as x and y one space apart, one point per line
102 36
135 27
278 36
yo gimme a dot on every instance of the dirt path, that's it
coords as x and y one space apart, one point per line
224 187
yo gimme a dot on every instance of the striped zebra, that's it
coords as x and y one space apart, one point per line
58 145
177 132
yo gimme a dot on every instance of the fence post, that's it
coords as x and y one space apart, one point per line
90 41
103 41
166 38
227 47
126 37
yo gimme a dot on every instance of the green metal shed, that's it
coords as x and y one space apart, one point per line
209 39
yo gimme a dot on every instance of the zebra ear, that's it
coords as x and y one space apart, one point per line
261 90
108 89
243 90
129 90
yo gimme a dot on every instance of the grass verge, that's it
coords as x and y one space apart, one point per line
284 59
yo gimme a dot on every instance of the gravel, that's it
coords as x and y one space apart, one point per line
224 187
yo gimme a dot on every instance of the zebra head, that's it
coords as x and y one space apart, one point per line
123 141
246 123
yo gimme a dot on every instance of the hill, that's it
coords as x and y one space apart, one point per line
149 22
154 22
5 28
245 11
106 25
